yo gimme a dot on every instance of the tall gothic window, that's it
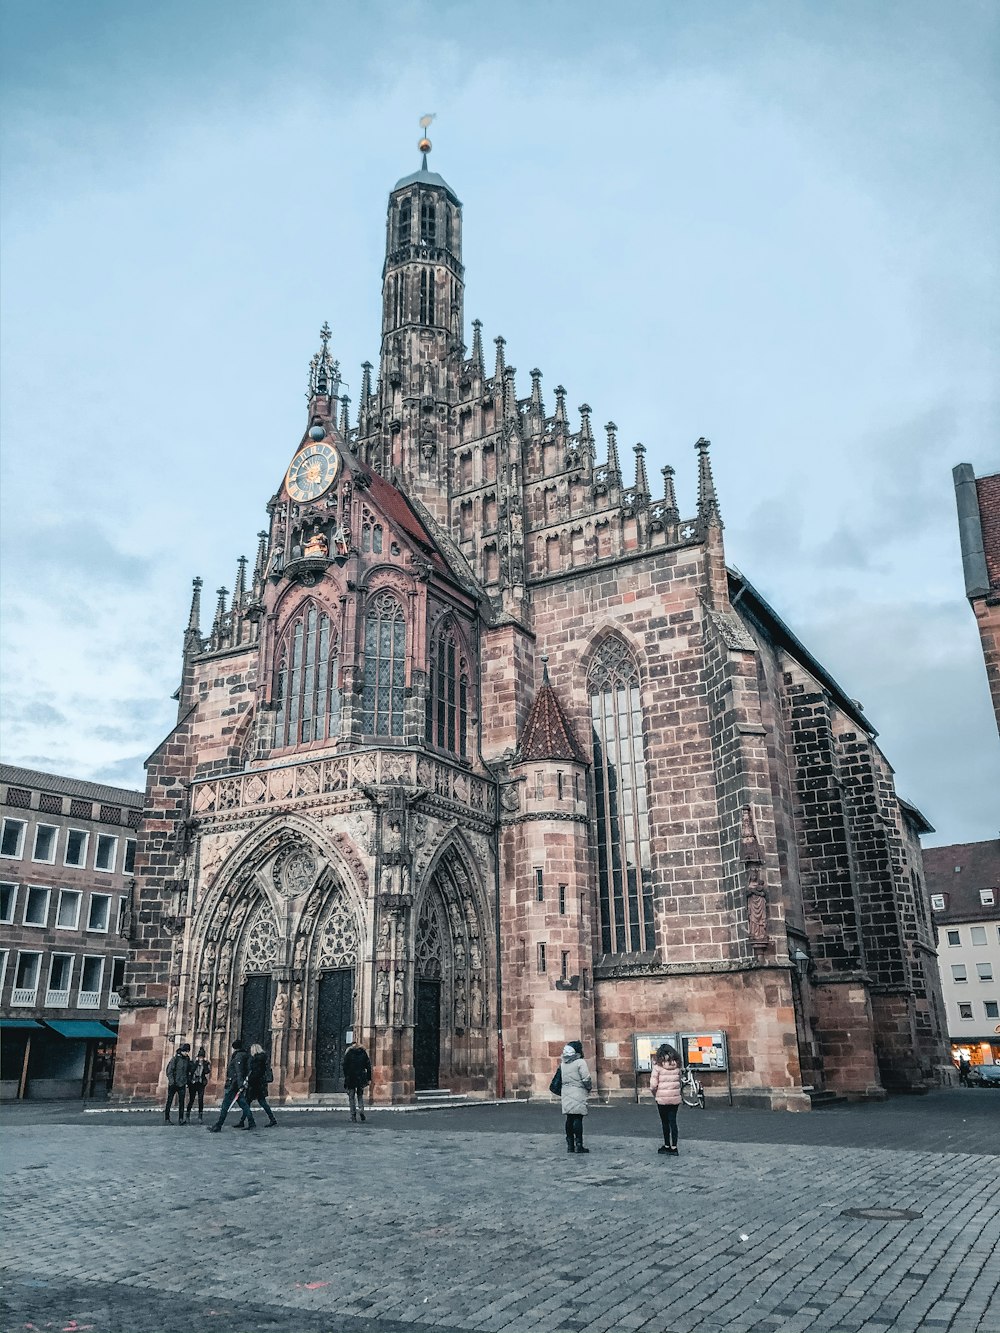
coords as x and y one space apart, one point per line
403 223
625 881
428 220
448 694
306 693
426 296
385 648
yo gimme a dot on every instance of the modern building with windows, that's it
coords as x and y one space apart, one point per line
964 885
489 749
67 855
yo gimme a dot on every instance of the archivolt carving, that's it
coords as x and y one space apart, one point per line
293 872
261 950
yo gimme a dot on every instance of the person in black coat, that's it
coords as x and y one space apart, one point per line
178 1068
357 1076
200 1073
235 1090
258 1077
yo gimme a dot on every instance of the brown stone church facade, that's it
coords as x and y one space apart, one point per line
489 750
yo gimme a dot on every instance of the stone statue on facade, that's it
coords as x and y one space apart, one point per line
279 1013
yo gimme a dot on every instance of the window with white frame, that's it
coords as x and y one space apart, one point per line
958 972
99 912
954 939
991 1008
8 903
60 979
91 980
76 847
26 978
45 843
12 838
978 935
965 1011
984 971
3 967
36 906
68 911
937 902
987 897
129 863
107 847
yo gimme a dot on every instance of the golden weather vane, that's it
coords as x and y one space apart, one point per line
425 144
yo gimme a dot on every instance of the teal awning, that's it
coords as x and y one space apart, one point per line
19 1023
81 1029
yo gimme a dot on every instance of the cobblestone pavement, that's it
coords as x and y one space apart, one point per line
443 1220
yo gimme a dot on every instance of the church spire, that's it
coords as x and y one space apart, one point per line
192 635
345 419
499 367
240 585
641 480
477 348
671 511
560 417
708 503
614 466
537 406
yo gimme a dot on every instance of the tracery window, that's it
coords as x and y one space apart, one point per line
371 536
384 679
306 691
426 296
625 882
403 223
448 693
428 220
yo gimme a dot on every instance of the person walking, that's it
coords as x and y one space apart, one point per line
258 1077
178 1068
235 1088
200 1073
357 1076
576 1085
964 1066
665 1085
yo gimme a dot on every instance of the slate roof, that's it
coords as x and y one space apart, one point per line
52 782
547 734
979 864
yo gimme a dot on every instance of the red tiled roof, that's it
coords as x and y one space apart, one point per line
397 509
978 868
988 492
547 734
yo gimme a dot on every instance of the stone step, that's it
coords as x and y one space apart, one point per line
827 1099
440 1095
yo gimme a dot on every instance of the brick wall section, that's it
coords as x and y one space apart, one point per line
988 494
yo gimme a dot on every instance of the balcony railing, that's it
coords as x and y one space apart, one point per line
114 1000
57 999
23 995
89 999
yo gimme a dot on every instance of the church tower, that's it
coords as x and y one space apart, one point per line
422 349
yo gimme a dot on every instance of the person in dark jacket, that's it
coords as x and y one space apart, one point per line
258 1077
178 1068
200 1073
357 1076
235 1089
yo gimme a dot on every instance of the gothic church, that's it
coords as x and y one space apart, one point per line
490 750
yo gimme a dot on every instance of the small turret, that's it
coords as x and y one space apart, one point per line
477 349
708 503
670 511
614 473
641 480
192 635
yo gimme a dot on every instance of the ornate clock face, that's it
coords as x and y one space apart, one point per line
312 471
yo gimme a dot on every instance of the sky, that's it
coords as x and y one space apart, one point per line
771 224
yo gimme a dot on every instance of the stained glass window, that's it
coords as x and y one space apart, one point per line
385 667
448 694
625 882
306 690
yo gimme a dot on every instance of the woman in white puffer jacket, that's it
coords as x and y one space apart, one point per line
576 1084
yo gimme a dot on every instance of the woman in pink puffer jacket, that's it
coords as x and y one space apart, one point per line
665 1085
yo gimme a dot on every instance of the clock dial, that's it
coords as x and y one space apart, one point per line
312 471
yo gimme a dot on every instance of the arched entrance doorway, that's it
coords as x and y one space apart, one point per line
260 956
335 968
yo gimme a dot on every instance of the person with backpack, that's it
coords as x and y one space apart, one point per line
178 1068
575 1087
198 1077
258 1077
235 1089
665 1085
357 1076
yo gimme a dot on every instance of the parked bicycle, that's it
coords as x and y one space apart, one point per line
692 1093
